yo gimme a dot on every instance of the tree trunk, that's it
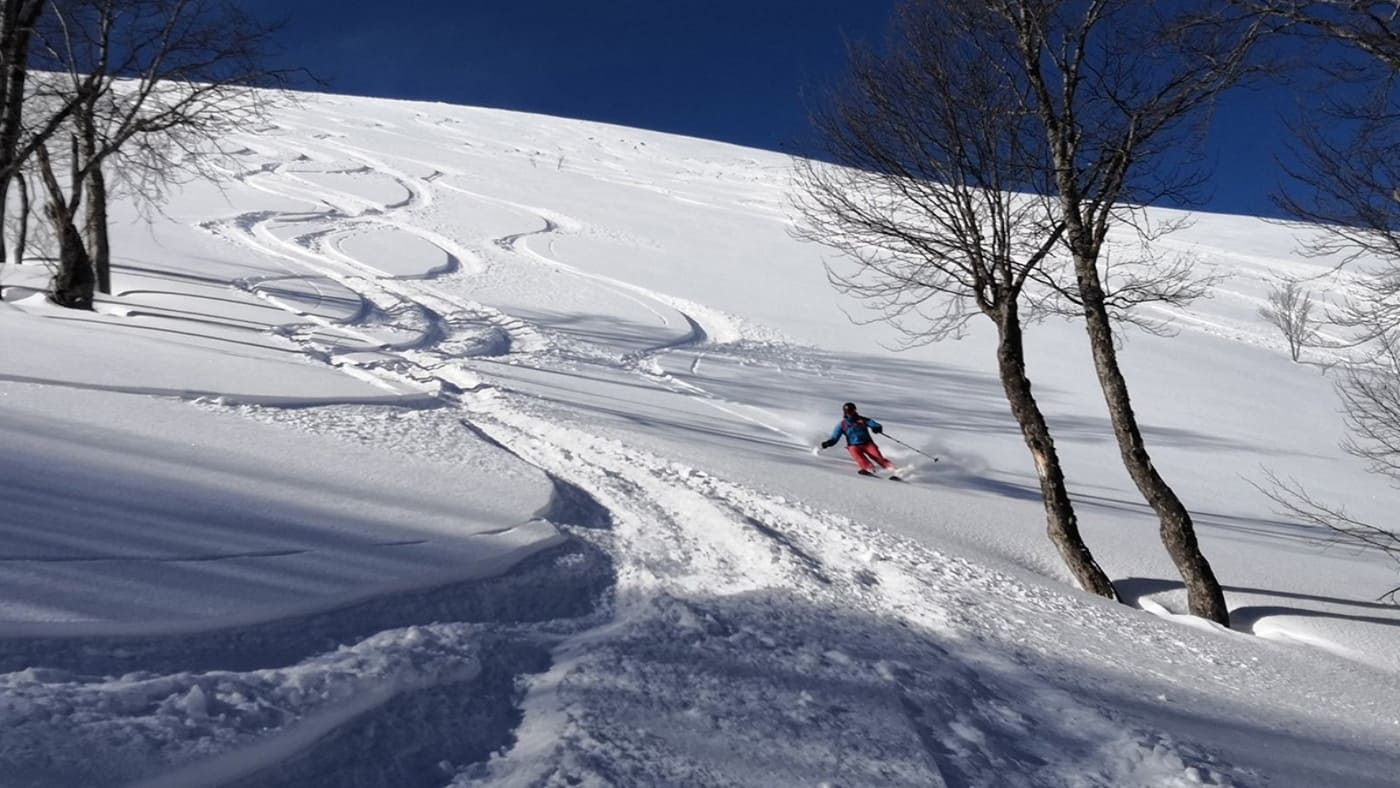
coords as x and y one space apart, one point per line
1203 593
1061 523
74 282
22 242
4 229
96 229
17 18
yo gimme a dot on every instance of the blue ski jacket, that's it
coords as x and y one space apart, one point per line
857 430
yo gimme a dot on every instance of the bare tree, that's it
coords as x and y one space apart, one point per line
931 143
17 21
1370 394
153 82
1369 389
1290 310
31 111
1099 91
1346 179
1345 175
1119 86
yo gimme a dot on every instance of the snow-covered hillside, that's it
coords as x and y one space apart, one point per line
448 446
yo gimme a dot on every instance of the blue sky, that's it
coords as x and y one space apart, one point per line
720 69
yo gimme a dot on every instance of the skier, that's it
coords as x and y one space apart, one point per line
857 429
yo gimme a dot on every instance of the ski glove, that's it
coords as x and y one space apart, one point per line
877 429
828 444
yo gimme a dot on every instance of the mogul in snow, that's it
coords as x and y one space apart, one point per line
857 429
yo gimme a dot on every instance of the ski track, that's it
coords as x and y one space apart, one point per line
716 331
693 568
679 534
698 559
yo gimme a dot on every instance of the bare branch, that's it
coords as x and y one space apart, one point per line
1344 171
1295 502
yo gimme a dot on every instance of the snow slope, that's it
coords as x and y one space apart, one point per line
450 446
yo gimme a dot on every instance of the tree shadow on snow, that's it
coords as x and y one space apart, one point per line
1244 618
769 688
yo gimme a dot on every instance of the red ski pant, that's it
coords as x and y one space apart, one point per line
863 453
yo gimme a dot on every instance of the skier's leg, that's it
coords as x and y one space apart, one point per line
858 455
874 452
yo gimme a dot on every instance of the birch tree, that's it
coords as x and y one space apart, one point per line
1076 106
154 83
1119 87
930 148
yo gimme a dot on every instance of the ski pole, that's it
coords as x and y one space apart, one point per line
907 446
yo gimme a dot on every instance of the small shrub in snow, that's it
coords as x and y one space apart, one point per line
1290 309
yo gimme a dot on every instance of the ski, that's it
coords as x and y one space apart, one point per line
878 476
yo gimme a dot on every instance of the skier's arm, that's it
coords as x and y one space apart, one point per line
836 433
874 426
